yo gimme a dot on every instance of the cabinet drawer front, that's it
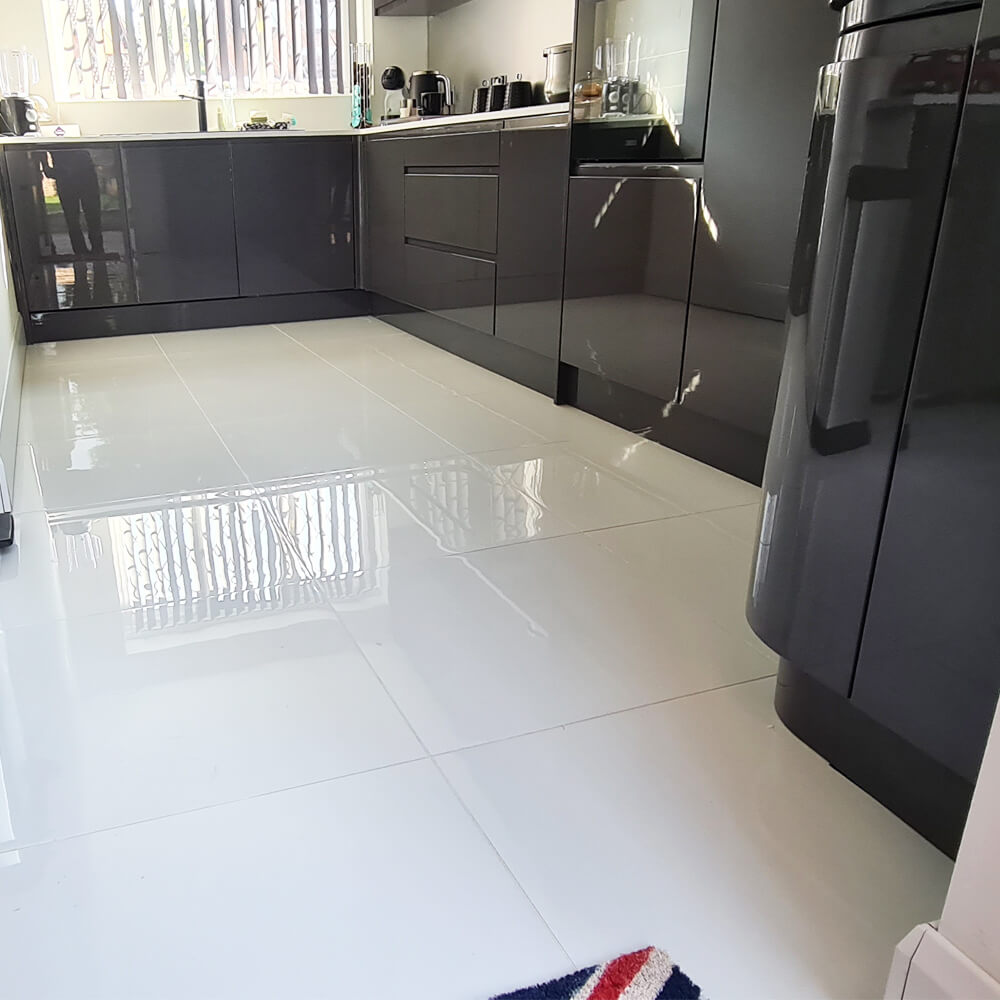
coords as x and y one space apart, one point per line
459 210
466 149
462 289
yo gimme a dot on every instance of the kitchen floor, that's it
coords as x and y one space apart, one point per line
334 666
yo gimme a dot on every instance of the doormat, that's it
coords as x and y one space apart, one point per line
642 975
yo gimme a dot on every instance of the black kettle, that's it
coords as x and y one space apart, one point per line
432 91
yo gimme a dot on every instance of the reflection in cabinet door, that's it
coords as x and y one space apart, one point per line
71 230
628 267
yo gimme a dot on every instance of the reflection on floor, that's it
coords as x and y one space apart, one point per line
322 651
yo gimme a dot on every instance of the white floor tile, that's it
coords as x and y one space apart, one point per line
114 719
579 491
440 366
252 561
698 564
66 475
347 529
668 474
96 351
227 345
363 432
466 507
702 826
27 485
512 639
169 550
317 332
366 888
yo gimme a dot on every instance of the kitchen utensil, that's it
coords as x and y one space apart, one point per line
481 98
18 72
558 65
430 81
498 93
520 93
621 63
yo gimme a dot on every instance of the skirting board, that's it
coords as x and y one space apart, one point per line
10 413
927 966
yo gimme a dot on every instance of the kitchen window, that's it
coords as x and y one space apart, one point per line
142 49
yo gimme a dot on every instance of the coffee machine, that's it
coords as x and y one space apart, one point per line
433 93
18 74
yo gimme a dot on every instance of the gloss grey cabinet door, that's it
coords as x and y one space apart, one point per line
629 250
68 205
180 210
534 174
294 214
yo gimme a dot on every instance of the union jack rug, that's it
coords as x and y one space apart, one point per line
643 975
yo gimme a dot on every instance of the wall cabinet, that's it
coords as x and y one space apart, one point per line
629 251
534 174
180 209
294 203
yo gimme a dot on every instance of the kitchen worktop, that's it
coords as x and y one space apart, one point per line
533 111
401 126
48 140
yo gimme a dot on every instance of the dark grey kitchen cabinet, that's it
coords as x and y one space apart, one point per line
755 166
294 203
629 249
454 286
68 207
457 210
534 174
384 166
180 210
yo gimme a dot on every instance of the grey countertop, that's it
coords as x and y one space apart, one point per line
402 126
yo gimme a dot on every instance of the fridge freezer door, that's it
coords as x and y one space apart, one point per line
878 167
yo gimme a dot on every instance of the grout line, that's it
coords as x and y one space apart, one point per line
430 381
562 726
499 856
201 410
212 805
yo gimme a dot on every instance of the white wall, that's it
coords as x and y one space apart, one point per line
23 26
399 41
971 919
487 38
11 369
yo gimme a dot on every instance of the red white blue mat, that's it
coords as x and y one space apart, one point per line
642 975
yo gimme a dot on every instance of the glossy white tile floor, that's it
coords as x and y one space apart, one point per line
333 666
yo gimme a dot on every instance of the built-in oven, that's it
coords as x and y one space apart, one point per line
641 79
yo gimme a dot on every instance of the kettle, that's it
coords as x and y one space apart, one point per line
433 92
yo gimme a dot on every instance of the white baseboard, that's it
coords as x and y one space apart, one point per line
10 414
927 966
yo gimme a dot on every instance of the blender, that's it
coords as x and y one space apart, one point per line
18 74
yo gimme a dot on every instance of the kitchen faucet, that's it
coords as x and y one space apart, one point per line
199 96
